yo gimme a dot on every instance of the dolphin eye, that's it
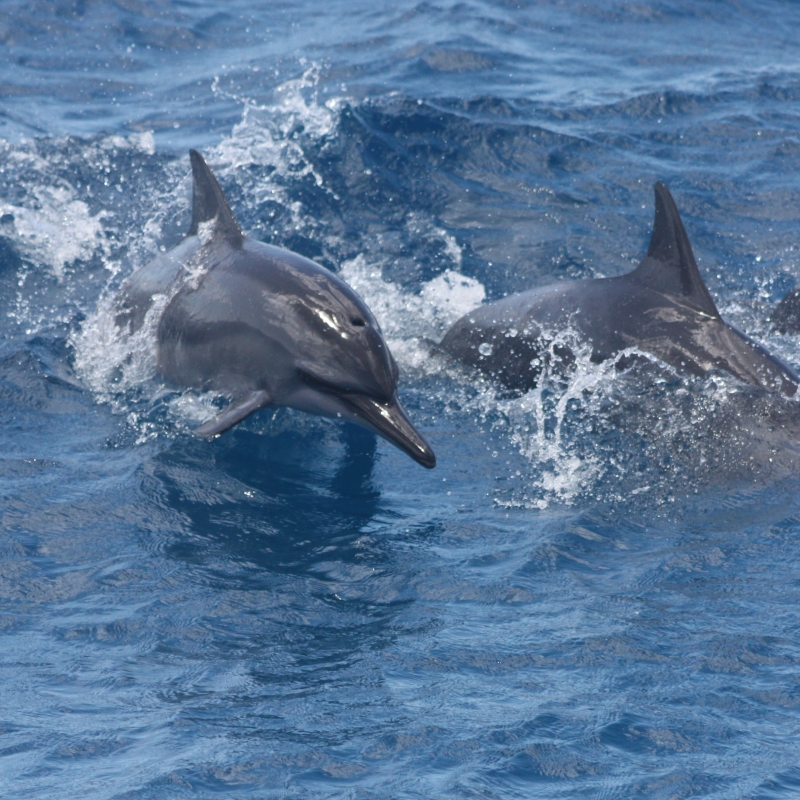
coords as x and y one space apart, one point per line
358 322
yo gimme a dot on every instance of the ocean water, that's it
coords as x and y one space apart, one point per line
594 594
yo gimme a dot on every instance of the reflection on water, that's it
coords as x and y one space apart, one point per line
242 493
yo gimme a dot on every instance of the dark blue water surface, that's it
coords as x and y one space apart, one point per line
595 594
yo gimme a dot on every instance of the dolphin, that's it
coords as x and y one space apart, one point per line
264 326
662 308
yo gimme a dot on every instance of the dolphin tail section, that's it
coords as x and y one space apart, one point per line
239 409
669 266
209 203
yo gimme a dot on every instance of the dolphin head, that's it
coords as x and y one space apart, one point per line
342 344
345 368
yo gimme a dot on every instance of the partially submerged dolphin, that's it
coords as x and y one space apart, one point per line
662 308
786 316
266 326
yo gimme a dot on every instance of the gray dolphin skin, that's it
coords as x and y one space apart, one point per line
265 326
662 308
786 316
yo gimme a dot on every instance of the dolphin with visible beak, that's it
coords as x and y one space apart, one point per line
662 308
266 327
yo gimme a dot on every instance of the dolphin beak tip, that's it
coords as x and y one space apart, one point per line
427 459
389 419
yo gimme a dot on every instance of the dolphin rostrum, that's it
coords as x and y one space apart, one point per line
265 326
662 308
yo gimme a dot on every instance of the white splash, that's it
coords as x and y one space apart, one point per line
51 226
56 229
438 305
267 135
111 360
536 423
451 295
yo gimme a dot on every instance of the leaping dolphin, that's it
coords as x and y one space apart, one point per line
662 308
266 326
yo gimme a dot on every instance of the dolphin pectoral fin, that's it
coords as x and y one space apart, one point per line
669 266
390 420
239 409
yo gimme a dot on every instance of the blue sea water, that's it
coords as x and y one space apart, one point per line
594 594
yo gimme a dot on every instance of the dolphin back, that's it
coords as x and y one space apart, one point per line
663 307
163 274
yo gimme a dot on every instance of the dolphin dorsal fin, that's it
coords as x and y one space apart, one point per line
669 266
209 203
